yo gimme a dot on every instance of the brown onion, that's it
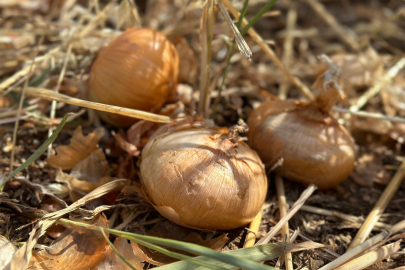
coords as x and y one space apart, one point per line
137 70
315 148
201 177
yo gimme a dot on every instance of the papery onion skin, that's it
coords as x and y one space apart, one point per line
137 70
316 149
198 178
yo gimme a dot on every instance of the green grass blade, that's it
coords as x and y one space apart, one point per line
257 253
188 259
258 16
242 13
203 251
117 252
39 151
151 241
231 50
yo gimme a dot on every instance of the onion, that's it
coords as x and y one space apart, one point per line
199 176
137 70
315 148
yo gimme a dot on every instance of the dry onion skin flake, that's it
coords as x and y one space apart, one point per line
202 177
315 148
137 70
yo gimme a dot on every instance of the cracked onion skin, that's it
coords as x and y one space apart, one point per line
137 70
197 177
315 148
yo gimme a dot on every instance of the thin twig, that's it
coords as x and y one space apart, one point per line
379 207
92 24
20 105
371 257
283 207
288 45
253 228
53 106
361 101
364 246
342 33
267 50
371 115
297 205
329 213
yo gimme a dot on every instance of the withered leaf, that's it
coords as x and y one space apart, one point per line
77 248
112 261
79 188
93 168
79 148
126 146
7 250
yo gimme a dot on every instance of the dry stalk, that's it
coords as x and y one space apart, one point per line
14 112
258 39
342 33
297 205
283 207
92 24
52 95
30 71
253 228
207 23
371 257
364 246
350 218
371 115
23 72
361 101
379 207
288 45
53 106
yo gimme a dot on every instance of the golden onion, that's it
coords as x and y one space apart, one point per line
137 70
202 177
315 148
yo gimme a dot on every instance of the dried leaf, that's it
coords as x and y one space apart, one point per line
126 167
92 169
370 169
97 193
55 230
139 131
77 248
40 191
358 70
23 255
395 93
86 175
7 250
112 261
79 148
126 146
81 186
